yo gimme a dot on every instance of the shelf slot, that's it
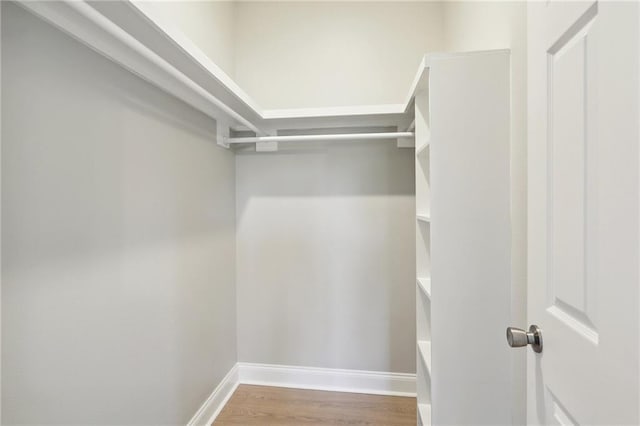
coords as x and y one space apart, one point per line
412 126
425 285
424 349
422 148
423 217
424 411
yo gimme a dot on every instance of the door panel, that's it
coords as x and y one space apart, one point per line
583 212
570 143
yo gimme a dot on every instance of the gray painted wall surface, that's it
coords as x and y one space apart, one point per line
326 256
118 243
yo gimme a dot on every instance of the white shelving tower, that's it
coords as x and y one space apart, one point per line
463 238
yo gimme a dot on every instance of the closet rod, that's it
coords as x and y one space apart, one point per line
313 138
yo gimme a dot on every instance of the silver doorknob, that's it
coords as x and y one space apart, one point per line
517 338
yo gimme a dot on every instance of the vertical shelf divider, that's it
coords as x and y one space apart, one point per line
423 257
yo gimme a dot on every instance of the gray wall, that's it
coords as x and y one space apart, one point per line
209 24
332 53
326 256
118 241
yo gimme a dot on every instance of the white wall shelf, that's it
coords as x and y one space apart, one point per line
132 35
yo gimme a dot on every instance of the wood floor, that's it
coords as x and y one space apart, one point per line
263 405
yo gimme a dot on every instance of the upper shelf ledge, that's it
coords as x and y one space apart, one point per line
130 34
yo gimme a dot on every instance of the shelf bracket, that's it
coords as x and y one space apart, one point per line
222 134
267 146
406 143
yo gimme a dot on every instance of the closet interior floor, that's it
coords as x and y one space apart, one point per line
265 405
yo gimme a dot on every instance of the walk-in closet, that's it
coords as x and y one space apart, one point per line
314 212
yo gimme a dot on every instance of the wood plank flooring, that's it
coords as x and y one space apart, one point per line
271 406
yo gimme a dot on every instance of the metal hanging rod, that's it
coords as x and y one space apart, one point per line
331 137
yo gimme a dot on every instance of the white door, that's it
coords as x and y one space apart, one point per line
583 212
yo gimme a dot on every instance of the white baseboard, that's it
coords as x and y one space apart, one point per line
329 379
216 401
285 376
